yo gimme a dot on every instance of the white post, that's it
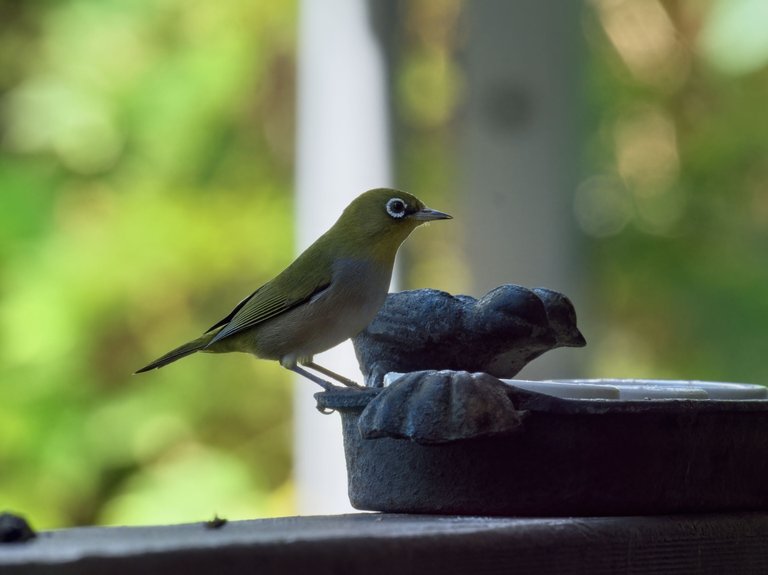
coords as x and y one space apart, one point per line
343 150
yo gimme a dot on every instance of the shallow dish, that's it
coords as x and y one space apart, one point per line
566 457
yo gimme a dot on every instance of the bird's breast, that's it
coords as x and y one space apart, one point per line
350 302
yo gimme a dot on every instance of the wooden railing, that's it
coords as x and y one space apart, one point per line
373 544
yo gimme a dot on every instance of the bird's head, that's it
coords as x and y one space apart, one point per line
385 215
562 318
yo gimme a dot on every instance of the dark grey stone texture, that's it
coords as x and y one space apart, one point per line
498 334
445 407
516 452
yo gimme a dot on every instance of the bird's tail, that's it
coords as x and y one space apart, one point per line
181 351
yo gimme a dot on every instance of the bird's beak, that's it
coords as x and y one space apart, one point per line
575 339
428 214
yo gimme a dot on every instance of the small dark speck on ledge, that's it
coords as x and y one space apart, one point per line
215 523
14 529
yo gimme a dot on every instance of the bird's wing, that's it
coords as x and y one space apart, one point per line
230 315
266 302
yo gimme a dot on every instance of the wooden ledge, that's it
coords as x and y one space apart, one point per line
403 544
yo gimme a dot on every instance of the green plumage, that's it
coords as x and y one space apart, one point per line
181 351
328 294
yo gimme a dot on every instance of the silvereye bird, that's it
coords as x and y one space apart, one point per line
330 292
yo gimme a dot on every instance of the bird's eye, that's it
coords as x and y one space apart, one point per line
396 208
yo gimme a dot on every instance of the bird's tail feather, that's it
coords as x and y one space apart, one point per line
181 351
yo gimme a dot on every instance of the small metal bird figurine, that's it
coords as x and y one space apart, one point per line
498 334
327 295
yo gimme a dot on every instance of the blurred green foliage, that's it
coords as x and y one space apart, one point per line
146 151
677 203
428 89
145 185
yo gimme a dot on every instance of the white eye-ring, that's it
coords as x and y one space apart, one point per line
396 208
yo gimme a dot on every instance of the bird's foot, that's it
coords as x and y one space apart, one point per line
326 385
333 375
